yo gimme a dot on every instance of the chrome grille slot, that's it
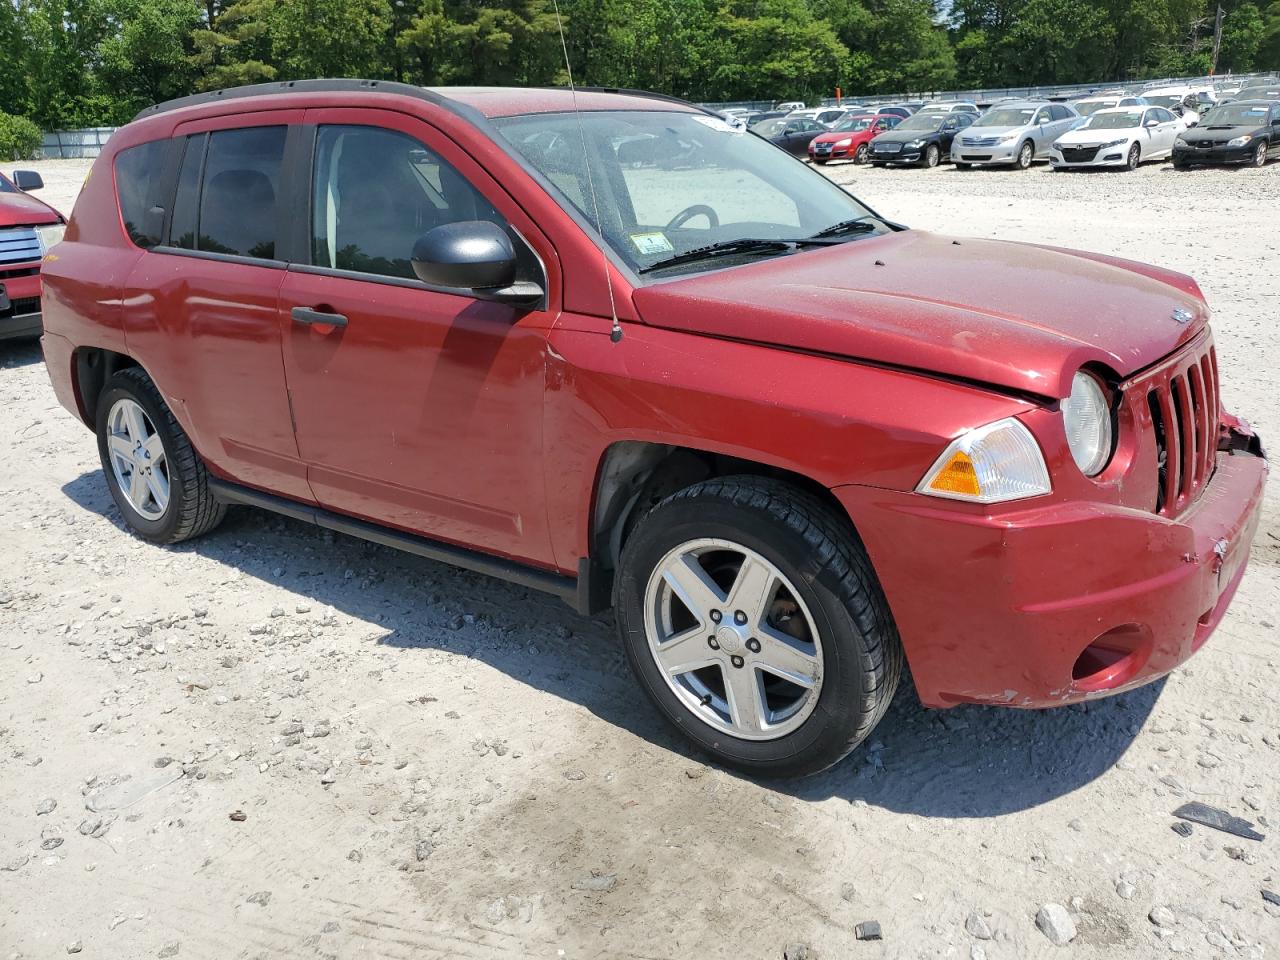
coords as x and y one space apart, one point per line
1182 402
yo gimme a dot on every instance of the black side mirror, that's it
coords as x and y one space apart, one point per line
472 255
27 180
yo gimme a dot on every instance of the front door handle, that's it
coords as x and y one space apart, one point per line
317 317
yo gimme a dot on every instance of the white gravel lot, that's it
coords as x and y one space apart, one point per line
275 742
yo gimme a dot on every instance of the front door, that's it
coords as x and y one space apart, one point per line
416 407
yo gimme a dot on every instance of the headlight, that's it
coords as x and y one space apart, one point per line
1010 138
845 142
1087 418
1180 142
990 464
914 144
1239 141
1058 147
1113 143
50 234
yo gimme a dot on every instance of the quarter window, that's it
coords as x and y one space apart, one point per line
138 173
376 192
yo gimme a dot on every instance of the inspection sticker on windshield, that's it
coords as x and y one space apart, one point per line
651 243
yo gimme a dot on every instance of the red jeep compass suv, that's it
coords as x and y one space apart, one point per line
789 441
28 228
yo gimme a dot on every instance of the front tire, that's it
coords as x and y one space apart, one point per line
1134 158
932 156
860 155
158 481
1260 154
1026 153
754 621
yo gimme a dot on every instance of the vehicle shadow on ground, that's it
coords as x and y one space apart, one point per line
962 763
20 353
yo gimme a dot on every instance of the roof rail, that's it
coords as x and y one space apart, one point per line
294 86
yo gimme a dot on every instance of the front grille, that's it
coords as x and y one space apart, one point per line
19 245
975 156
822 148
980 141
20 306
1207 144
890 147
1182 401
1079 154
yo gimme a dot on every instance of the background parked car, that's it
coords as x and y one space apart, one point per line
950 106
1186 102
1119 137
848 139
28 228
1260 91
1015 132
1091 105
1243 131
827 116
902 110
786 106
791 134
924 138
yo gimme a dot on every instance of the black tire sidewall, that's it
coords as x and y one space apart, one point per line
1029 152
824 737
163 529
861 153
932 156
1134 158
1260 154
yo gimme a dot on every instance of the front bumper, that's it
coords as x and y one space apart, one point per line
977 156
1052 605
905 156
1108 157
1192 155
19 301
835 153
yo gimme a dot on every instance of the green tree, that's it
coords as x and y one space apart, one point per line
145 59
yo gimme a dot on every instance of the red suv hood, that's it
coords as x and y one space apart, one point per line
22 209
1008 314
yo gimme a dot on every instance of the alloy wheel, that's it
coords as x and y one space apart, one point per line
1260 154
931 156
1135 156
860 155
1024 156
733 639
138 459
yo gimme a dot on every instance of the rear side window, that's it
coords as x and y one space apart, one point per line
138 173
227 190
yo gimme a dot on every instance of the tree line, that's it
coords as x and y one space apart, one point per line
73 63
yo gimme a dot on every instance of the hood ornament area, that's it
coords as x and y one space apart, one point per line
1182 316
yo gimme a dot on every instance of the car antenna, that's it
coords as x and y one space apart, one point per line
615 332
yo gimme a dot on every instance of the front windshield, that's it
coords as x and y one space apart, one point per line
922 122
1171 101
1235 115
1088 107
667 182
1112 121
853 125
769 128
1008 117
1259 93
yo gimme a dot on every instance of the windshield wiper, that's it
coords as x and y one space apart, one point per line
856 225
723 249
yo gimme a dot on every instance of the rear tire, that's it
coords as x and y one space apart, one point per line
156 478
694 563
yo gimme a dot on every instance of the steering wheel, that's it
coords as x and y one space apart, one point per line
688 213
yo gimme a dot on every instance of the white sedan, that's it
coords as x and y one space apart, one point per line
1121 137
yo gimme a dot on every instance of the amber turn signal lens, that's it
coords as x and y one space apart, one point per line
957 476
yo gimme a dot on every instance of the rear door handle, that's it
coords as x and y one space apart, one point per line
317 317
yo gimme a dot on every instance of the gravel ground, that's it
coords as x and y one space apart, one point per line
275 742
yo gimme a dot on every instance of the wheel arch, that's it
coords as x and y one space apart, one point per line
91 368
633 476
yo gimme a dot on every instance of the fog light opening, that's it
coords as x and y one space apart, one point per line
1112 659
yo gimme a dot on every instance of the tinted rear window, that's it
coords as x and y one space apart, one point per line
239 182
138 172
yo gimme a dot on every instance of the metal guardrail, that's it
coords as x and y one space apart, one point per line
75 144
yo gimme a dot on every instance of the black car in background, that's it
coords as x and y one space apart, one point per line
791 134
923 139
1243 131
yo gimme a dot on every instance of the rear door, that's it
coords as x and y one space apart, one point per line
423 410
203 312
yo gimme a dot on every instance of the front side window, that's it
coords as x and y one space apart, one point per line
138 173
667 182
375 192
228 185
